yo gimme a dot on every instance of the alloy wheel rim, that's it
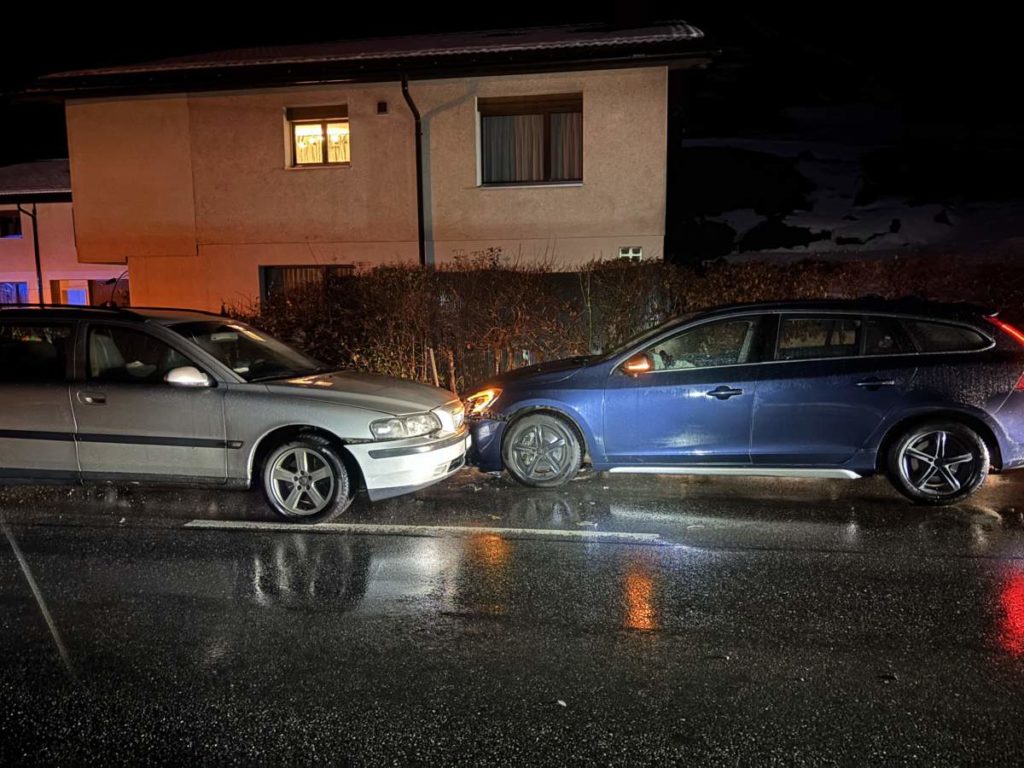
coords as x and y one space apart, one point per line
937 463
541 452
302 482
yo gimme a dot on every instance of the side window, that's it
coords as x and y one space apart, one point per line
127 355
807 338
727 342
34 353
940 337
882 336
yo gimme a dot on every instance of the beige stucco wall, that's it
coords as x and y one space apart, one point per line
57 252
620 202
131 178
195 191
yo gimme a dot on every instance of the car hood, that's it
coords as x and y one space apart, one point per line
549 372
366 390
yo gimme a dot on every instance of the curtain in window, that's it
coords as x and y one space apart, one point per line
512 148
567 146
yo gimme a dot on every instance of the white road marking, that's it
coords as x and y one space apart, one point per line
425 530
38 594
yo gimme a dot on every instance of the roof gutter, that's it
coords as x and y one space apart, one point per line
420 215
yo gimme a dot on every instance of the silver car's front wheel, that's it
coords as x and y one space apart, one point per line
306 481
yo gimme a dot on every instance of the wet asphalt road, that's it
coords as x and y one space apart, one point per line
633 621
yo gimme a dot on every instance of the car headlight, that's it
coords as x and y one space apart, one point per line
478 403
405 426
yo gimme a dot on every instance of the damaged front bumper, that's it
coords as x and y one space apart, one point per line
486 450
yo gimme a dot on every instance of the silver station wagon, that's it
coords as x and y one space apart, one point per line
163 396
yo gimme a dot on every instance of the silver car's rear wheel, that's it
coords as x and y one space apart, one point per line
939 463
306 481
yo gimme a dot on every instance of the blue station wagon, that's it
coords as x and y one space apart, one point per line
931 395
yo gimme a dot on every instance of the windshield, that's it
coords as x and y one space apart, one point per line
644 336
251 354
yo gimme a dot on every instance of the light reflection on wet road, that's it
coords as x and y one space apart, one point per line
798 623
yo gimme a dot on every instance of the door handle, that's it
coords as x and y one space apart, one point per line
724 393
92 398
874 383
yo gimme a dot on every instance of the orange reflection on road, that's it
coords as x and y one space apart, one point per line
490 549
1011 630
640 613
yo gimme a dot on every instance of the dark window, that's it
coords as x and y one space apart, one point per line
882 336
727 342
320 135
13 293
534 139
129 356
940 337
10 224
34 353
293 282
805 338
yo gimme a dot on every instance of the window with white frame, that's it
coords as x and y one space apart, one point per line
631 253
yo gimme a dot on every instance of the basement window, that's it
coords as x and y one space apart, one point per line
631 253
297 282
319 136
531 139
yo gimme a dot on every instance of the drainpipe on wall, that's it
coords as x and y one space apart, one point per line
420 224
35 246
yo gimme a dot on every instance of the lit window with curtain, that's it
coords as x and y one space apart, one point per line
320 135
531 139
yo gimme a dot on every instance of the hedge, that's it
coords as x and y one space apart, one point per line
457 325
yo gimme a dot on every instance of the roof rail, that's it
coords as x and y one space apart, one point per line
74 307
112 308
176 309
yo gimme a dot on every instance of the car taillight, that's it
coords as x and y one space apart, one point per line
1005 327
1018 336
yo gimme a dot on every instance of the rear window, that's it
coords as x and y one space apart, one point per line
34 353
882 336
807 338
941 337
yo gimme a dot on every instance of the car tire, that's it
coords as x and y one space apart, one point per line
555 464
305 481
938 463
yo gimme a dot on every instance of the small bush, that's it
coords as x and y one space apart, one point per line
466 322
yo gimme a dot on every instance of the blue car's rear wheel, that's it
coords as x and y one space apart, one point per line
542 450
938 463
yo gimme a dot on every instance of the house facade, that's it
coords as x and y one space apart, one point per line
42 191
223 191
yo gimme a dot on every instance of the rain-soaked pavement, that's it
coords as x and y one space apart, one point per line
621 621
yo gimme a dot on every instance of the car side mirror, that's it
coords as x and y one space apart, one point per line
638 364
187 376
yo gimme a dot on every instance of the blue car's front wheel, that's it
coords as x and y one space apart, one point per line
542 450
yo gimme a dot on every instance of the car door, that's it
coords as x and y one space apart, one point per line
132 423
833 380
694 405
36 423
